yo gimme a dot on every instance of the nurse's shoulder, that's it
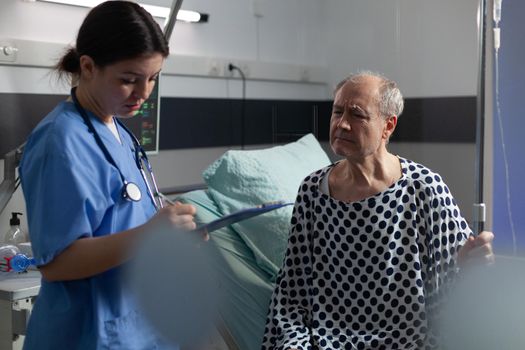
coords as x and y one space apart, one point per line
60 127
61 134
63 120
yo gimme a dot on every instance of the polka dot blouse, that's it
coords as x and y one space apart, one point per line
368 274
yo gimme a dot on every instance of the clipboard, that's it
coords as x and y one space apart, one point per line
241 215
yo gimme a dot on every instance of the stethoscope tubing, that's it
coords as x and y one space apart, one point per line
140 155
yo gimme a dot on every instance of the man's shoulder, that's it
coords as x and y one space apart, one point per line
418 172
315 176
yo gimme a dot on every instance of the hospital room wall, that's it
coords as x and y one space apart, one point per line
428 46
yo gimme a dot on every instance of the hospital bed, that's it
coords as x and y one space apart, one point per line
249 253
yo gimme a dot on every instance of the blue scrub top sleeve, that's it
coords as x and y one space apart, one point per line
66 197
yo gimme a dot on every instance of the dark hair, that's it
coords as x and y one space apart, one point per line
114 31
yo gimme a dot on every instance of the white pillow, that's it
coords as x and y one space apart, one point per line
241 179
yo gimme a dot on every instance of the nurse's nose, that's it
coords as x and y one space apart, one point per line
142 90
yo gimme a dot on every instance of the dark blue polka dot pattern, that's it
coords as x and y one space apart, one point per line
367 274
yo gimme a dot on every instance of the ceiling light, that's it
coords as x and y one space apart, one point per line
192 16
156 11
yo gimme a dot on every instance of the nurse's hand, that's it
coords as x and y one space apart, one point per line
477 250
179 216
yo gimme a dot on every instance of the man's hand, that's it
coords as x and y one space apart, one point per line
477 250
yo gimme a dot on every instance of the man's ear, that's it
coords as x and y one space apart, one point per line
87 67
390 126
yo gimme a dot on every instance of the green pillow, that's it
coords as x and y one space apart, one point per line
241 179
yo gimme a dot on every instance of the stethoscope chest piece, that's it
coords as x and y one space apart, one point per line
131 192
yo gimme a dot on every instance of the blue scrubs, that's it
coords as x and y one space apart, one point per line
71 192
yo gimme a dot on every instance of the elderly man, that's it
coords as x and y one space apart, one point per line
375 238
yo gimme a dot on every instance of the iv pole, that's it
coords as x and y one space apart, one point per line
172 18
479 210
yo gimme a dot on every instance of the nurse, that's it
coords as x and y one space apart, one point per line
84 211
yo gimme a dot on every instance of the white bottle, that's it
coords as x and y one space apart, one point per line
15 235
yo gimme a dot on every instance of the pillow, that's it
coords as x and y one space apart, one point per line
241 179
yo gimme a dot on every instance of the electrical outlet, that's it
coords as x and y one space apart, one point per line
8 52
214 69
305 74
245 69
234 73
227 72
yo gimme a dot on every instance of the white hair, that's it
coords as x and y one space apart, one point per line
390 97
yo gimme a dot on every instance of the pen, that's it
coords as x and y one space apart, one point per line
165 198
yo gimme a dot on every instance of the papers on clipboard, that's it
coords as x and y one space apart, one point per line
241 215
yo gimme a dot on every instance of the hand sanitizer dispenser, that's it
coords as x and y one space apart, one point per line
15 235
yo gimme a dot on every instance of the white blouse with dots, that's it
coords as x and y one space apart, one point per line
367 274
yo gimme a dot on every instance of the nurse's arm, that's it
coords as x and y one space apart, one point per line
90 256
87 257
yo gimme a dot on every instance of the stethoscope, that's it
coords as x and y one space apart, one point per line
130 191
